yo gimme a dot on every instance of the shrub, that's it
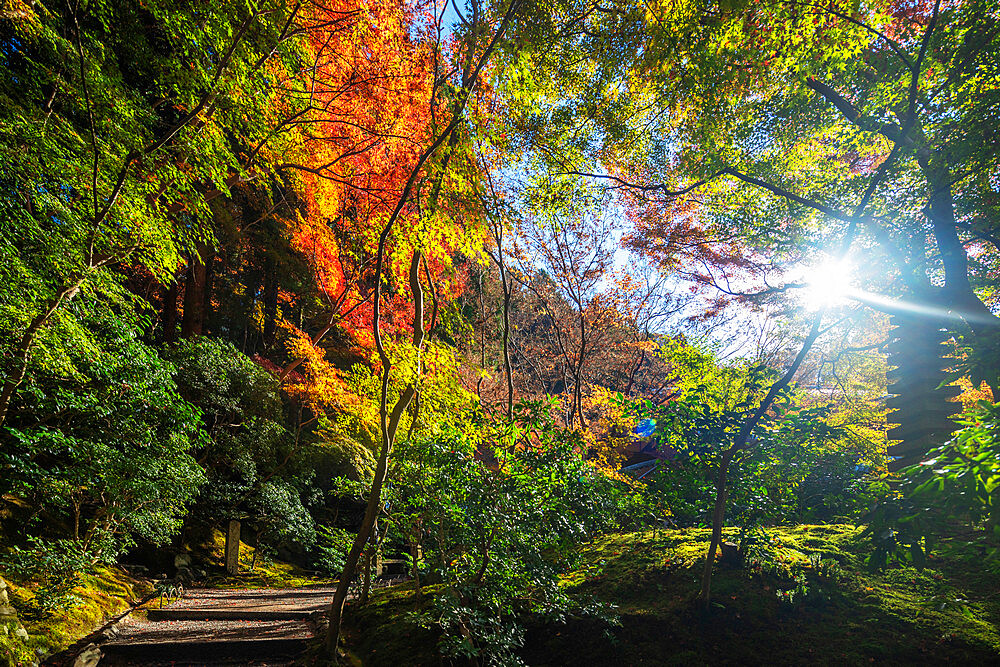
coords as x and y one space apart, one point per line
55 566
955 487
253 464
331 549
103 447
498 536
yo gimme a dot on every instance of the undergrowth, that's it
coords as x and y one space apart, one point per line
841 612
98 596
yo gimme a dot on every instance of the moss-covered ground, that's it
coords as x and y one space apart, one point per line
262 573
381 633
100 595
948 612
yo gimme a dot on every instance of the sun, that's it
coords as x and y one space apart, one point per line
828 284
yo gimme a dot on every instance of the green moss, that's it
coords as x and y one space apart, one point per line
102 595
109 591
382 633
899 616
653 578
266 573
13 651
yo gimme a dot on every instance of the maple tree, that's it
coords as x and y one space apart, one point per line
565 257
393 220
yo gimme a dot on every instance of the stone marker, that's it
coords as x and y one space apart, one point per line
233 548
731 553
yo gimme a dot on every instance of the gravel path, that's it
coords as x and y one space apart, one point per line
260 599
212 631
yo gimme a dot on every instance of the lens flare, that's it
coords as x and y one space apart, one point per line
828 284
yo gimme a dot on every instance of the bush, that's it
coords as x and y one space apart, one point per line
55 566
498 536
836 488
331 549
958 483
252 462
786 464
102 447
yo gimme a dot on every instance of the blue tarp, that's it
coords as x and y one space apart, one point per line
645 428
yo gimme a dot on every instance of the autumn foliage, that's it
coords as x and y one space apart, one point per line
365 109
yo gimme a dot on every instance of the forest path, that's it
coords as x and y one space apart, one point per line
268 626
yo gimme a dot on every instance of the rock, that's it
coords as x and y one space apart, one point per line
7 613
88 657
4 600
393 567
731 553
21 634
182 560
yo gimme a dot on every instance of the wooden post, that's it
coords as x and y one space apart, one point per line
233 548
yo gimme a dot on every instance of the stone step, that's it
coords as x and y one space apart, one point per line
206 614
209 641
279 651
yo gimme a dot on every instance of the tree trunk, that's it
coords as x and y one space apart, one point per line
270 301
415 556
76 520
194 297
959 295
718 516
371 557
206 303
482 340
741 442
170 293
508 372
389 427
252 279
